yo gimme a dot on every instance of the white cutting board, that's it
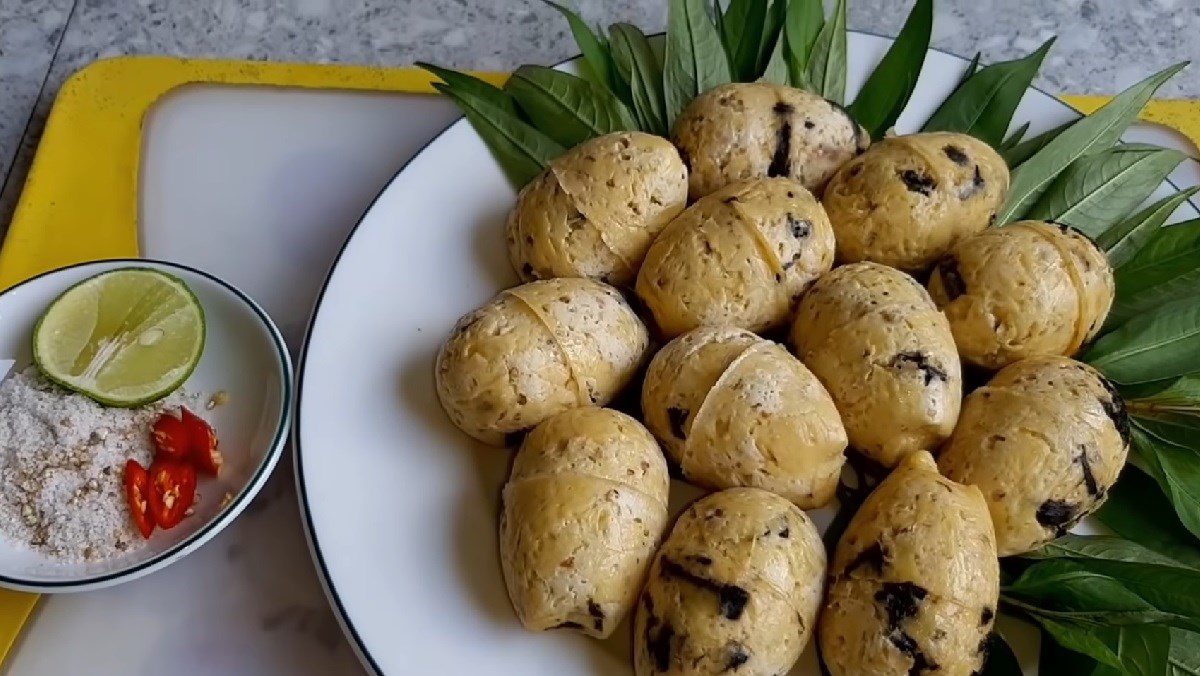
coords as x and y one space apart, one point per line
259 186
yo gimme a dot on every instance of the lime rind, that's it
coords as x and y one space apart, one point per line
167 383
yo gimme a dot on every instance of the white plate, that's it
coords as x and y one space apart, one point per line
244 355
400 505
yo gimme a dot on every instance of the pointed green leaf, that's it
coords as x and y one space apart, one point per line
887 90
694 61
984 104
1123 241
1022 151
1014 138
1100 547
522 151
1179 395
473 86
1161 344
772 31
801 26
1081 639
972 68
1174 467
1165 270
777 70
827 61
744 23
1138 510
1098 190
1095 132
569 109
596 56
638 64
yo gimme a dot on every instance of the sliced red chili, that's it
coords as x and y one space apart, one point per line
170 438
137 486
203 451
172 491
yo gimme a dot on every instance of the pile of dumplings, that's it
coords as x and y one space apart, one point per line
784 292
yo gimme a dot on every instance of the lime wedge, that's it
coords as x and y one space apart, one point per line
125 337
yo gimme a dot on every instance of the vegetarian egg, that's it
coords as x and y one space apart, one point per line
1027 289
583 511
914 579
1044 440
734 589
742 131
535 350
733 409
741 256
908 199
594 211
877 342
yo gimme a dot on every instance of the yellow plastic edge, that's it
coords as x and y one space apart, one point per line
80 199
1183 115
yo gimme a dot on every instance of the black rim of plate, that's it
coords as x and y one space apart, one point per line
343 616
278 440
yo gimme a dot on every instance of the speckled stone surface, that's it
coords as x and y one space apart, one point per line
1104 45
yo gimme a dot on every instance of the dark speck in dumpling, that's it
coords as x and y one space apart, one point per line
956 155
918 182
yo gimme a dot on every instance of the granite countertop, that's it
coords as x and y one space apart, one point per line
274 605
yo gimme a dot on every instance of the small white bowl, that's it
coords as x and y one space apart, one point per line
244 355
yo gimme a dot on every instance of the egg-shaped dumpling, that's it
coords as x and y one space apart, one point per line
914 580
741 256
734 589
877 342
741 131
908 199
594 211
733 409
1044 441
583 512
1027 289
535 350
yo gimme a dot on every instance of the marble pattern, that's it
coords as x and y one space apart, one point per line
267 613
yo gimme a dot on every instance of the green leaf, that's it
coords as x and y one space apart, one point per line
638 64
1183 659
801 26
1161 344
1013 139
1124 240
1099 547
1093 133
596 57
1068 590
1053 658
1137 509
1181 395
567 108
972 68
743 30
1096 191
1175 468
983 105
887 90
1022 151
694 61
1001 661
473 86
827 60
522 151
777 70
1080 639
772 32
1166 269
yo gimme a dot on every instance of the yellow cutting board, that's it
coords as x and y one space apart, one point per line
80 198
